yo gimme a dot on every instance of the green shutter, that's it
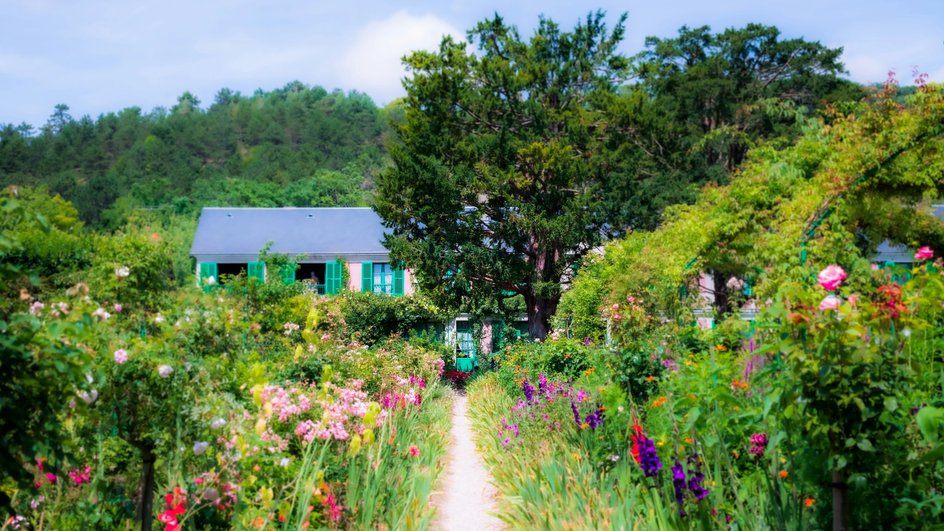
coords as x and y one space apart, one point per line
257 271
332 278
367 277
398 281
288 273
207 270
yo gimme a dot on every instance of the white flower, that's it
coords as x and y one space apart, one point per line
165 371
734 283
122 272
101 314
217 423
88 396
200 447
159 318
211 280
37 502
906 332
284 462
121 356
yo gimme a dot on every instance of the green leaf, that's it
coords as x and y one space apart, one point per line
891 404
865 445
930 421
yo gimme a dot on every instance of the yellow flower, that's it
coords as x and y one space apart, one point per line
576 456
721 348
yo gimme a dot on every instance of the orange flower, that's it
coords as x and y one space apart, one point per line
584 426
738 384
659 401
650 378
259 522
721 348
783 474
689 440
809 502
589 371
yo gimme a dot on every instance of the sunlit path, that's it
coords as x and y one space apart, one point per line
466 497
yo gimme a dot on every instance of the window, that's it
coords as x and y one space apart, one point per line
383 278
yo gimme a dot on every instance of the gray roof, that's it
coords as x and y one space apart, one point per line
236 235
901 254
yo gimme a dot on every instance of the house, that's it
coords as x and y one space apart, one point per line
320 240
323 242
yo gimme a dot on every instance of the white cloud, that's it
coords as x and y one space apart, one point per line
373 63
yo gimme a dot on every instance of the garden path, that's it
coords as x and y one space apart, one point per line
466 498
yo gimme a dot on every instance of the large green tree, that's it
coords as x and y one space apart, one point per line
501 165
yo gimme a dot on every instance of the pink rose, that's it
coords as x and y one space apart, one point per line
831 277
924 253
830 302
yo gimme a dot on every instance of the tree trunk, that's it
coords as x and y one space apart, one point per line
146 513
840 503
540 311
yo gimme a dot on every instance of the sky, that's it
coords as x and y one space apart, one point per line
100 56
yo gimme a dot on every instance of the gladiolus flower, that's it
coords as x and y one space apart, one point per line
831 277
924 253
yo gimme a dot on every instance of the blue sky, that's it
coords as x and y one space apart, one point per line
101 56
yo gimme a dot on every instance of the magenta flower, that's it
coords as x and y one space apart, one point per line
121 356
831 277
414 451
924 253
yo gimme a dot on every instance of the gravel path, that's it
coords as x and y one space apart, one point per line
466 495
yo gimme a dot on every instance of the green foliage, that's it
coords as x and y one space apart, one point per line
370 318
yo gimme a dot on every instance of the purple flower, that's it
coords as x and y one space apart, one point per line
759 444
586 341
678 481
670 364
528 390
542 384
573 407
696 487
648 458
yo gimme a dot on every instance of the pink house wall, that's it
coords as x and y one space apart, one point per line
354 282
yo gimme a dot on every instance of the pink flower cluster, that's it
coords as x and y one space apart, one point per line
79 477
341 412
286 403
407 391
